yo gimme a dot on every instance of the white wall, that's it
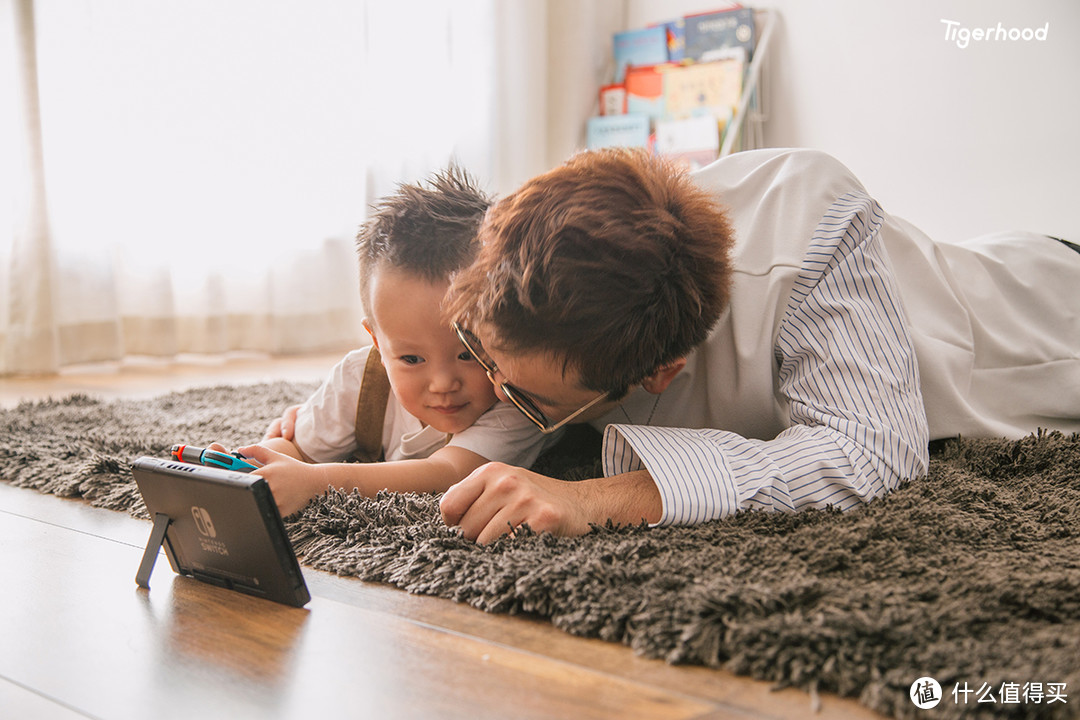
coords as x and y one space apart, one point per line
959 141
578 62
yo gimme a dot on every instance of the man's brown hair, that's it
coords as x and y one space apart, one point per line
615 263
426 229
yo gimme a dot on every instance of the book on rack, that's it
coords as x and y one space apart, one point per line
647 46
694 141
707 88
613 99
617 131
708 34
645 89
676 39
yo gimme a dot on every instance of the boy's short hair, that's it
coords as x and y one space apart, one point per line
615 263
426 229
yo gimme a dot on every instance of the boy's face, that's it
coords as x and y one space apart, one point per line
432 375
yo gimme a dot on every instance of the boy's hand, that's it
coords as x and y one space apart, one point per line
293 482
284 426
218 447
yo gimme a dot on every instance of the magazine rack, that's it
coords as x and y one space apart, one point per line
748 124
671 113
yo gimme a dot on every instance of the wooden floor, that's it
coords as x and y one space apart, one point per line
78 639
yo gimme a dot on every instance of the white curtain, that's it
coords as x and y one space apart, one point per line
188 176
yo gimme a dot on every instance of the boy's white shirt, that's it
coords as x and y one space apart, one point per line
326 425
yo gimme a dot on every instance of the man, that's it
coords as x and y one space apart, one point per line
758 335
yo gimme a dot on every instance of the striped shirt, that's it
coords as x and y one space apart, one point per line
807 393
851 339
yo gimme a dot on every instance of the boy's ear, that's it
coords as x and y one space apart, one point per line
660 379
371 332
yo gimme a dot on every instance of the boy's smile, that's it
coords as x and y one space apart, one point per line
449 409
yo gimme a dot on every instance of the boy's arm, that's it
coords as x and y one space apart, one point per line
286 447
294 483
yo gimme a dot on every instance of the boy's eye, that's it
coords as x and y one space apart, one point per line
411 359
466 356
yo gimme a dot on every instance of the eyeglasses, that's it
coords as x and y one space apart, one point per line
518 397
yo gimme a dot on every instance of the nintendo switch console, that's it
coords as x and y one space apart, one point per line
218 526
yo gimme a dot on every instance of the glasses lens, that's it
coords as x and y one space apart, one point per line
472 344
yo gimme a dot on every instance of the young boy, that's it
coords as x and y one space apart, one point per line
441 419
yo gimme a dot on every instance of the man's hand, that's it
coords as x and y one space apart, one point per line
284 426
496 498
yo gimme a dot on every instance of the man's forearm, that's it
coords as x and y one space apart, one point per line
626 499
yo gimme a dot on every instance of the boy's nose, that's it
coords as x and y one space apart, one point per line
445 382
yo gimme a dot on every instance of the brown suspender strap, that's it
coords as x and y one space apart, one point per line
371 409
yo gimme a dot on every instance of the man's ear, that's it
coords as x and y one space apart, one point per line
371 332
660 379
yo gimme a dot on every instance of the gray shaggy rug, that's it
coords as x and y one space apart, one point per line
971 575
